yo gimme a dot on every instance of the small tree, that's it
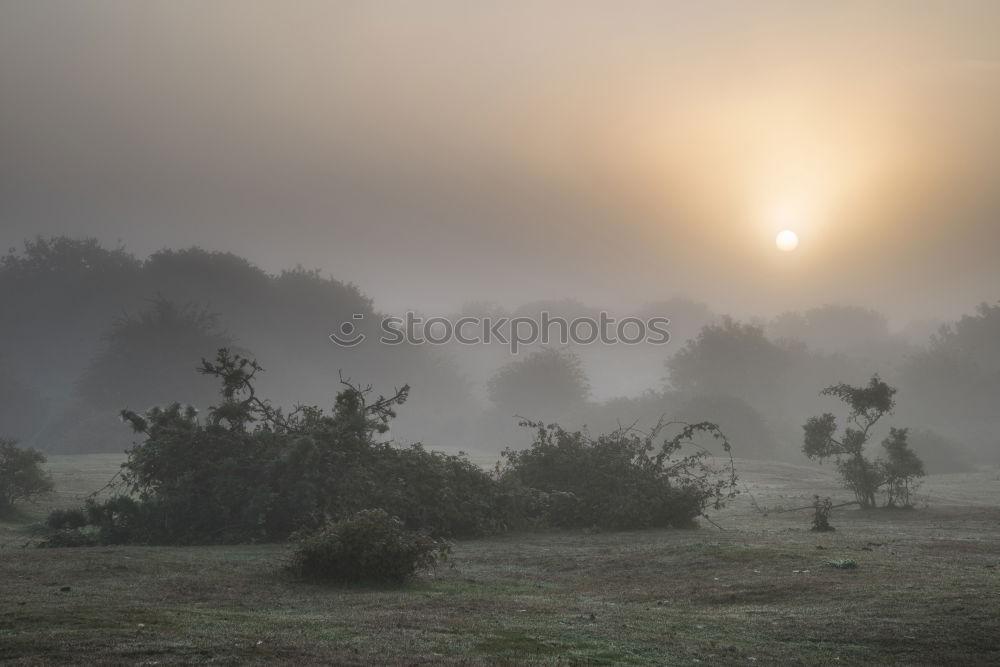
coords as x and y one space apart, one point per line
868 405
864 477
21 474
901 468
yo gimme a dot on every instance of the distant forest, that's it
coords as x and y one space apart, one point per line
89 330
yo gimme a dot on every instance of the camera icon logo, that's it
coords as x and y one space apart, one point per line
348 335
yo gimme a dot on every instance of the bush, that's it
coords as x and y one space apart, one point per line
443 495
621 480
66 519
72 528
822 509
369 546
21 474
124 520
249 472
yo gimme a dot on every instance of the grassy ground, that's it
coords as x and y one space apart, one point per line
925 591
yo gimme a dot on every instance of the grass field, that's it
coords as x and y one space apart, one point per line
926 591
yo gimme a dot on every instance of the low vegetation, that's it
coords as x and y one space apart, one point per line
285 504
250 472
822 509
923 591
21 475
369 546
622 480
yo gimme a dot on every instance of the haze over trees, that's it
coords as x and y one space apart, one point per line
548 381
22 409
89 329
145 360
67 302
953 382
833 327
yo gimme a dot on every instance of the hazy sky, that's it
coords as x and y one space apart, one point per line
434 152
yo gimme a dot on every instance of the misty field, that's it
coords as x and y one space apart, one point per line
924 590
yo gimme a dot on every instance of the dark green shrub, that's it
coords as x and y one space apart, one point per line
443 495
249 472
123 520
368 546
822 509
622 480
66 519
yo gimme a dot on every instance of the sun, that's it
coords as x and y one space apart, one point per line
787 240
786 214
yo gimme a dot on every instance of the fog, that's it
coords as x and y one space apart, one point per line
598 153
451 158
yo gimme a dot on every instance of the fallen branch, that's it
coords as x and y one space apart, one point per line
806 507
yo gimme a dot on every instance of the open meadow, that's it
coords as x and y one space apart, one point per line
755 590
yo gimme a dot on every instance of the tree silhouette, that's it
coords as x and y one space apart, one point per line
868 405
548 383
